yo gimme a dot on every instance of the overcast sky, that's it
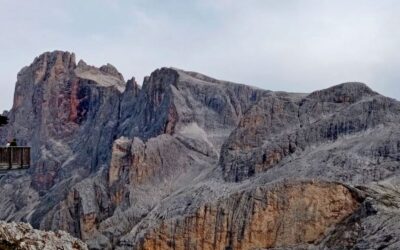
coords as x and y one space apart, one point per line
298 46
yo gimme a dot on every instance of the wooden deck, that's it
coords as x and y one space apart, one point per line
14 158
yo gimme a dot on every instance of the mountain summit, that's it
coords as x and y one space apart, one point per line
190 162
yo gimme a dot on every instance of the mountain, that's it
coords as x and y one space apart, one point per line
186 161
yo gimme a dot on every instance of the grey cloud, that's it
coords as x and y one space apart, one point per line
289 45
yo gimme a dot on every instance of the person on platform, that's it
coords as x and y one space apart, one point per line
13 143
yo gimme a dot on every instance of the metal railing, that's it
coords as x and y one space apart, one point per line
15 158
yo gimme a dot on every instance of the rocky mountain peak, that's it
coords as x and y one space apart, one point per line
189 161
106 75
111 70
82 64
162 77
132 85
197 76
348 92
56 100
50 65
61 57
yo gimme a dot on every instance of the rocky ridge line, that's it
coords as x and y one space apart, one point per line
122 166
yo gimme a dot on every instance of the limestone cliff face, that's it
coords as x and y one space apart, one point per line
68 114
374 224
186 161
62 111
198 113
285 215
279 129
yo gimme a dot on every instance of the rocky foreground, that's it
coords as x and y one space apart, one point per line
186 161
21 236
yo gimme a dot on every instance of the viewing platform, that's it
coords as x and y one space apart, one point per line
14 158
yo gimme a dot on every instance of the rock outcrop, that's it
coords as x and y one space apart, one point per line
285 215
374 225
186 161
279 129
21 236
70 120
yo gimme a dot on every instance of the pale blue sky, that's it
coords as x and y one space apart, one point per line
296 46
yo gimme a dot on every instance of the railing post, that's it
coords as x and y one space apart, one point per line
21 155
29 156
9 158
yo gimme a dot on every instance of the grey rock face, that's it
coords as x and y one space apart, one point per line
70 122
74 114
375 225
283 131
123 166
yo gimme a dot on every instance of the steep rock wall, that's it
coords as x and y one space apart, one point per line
282 216
186 160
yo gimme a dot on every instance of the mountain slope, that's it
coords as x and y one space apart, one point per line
186 161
